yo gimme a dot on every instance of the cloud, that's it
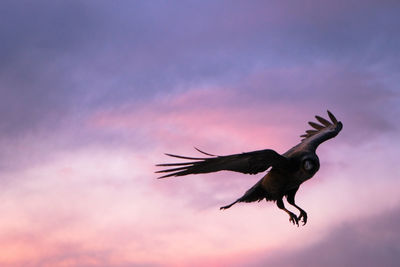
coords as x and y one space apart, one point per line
330 86
94 92
367 241
59 60
42 44
291 95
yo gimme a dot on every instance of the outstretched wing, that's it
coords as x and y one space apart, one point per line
249 163
329 129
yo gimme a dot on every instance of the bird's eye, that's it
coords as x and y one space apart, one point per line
308 165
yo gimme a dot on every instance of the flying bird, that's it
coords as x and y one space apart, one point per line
286 172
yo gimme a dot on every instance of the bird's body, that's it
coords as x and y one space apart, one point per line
288 171
279 181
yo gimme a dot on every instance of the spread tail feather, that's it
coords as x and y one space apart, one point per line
228 206
256 193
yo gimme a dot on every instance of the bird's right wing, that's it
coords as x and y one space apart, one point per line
248 163
321 132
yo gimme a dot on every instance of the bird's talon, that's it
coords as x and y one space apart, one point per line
293 219
303 217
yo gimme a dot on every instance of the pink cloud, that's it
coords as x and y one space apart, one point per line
205 116
104 202
72 213
76 173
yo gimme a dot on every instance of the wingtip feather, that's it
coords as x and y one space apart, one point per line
332 117
183 157
316 125
323 121
167 176
174 169
205 153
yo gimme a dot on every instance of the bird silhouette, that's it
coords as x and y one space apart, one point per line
287 171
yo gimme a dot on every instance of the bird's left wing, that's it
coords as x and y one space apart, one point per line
248 163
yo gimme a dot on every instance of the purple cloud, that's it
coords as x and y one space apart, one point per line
367 241
59 59
93 92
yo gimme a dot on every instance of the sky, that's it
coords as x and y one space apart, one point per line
94 92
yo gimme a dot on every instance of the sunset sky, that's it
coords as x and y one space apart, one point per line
94 92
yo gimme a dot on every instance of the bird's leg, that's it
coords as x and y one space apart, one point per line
290 200
292 217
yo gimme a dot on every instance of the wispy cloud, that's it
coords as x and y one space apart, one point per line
368 241
93 94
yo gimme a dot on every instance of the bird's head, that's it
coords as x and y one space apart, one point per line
310 164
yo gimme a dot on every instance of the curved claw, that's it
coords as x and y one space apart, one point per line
293 219
302 217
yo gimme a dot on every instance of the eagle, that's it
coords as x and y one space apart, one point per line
286 173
